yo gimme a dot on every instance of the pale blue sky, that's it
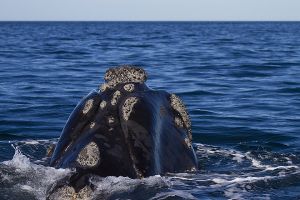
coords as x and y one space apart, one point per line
150 10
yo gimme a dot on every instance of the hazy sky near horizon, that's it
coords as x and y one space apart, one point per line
266 10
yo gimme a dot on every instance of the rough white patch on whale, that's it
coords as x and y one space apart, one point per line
115 97
178 122
68 193
103 87
188 142
89 156
92 124
178 105
85 193
102 104
88 105
125 74
63 193
128 107
111 119
129 87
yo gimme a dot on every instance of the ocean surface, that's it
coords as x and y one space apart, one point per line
240 82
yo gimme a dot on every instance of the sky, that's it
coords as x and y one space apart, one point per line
149 10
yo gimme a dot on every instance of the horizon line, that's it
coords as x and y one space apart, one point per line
149 20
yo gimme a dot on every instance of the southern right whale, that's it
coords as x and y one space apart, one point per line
125 129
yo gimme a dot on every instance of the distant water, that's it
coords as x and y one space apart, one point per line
240 82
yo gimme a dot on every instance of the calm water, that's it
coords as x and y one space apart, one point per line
240 82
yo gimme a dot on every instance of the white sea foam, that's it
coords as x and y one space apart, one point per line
234 193
127 188
255 162
20 162
32 142
174 194
252 169
241 179
36 179
210 150
111 187
270 168
33 178
240 157
26 187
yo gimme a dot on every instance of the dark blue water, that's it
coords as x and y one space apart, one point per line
240 82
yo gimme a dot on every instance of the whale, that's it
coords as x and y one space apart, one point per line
123 129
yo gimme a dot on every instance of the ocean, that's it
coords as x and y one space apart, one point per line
240 82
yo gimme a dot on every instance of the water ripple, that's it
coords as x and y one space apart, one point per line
240 82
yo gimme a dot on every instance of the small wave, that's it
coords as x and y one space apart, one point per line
252 174
248 73
127 188
12 136
22 178
198 93
224 173
289 90
246 159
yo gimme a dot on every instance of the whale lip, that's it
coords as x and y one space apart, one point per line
125 74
